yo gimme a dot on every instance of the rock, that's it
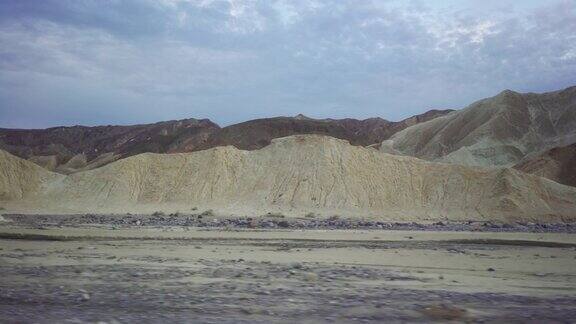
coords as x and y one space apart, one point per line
297 265
85 297
311 276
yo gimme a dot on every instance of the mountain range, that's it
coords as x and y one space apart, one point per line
78 148
511 157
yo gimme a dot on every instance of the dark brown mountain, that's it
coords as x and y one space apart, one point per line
558 164
255 134
71 149
78 148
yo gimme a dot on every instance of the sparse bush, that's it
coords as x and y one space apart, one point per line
158 213
207 213
310 215
283 224
2 208
194 208
334 218
275 215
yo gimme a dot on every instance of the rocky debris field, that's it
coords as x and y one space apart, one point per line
168 274
275 221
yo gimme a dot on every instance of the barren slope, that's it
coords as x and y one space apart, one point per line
558 164
21 179
498 131
308 173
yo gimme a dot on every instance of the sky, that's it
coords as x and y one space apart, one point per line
101 62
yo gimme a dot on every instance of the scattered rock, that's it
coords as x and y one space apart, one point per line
334 222
311 276
296 265
444 312
540 274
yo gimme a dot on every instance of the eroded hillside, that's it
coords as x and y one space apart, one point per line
498 131
308 173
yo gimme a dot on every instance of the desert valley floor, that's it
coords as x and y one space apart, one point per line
452 215
118 268
287 161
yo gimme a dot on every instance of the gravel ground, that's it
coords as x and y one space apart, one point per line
249 293
207 220
285 278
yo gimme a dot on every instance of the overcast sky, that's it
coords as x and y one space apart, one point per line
96 62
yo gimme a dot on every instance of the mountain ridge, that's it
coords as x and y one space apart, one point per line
69 149
496 131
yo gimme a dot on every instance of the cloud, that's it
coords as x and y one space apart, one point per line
120 61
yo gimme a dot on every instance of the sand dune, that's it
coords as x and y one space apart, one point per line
295 175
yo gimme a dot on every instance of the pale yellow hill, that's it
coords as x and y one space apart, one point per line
21 179
307 173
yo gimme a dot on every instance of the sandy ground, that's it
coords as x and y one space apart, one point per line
176 274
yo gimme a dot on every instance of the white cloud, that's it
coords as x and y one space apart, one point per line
370 58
